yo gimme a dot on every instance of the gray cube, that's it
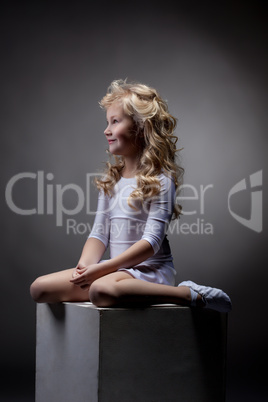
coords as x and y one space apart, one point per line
163 353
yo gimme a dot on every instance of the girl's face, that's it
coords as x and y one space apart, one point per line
119 132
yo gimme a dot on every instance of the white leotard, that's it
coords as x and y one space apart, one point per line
118 225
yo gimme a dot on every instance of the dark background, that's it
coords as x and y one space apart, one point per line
209 60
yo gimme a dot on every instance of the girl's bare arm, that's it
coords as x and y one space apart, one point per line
92 252
135 254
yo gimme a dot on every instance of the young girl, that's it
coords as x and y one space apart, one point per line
135 205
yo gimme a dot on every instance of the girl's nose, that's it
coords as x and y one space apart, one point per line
107 131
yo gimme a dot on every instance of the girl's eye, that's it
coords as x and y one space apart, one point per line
115 121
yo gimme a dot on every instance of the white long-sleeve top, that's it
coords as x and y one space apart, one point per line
118 225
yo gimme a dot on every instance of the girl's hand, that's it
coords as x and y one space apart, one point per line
84 276
78 270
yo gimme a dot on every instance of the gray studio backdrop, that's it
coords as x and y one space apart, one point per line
209 62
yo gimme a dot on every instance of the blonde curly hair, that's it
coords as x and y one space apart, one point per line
154 132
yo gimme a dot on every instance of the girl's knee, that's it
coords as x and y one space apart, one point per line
38 289
103 293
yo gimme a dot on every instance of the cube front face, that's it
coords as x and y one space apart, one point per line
154 354
67 353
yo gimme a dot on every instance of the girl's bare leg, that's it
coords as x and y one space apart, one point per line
121 288
56 287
